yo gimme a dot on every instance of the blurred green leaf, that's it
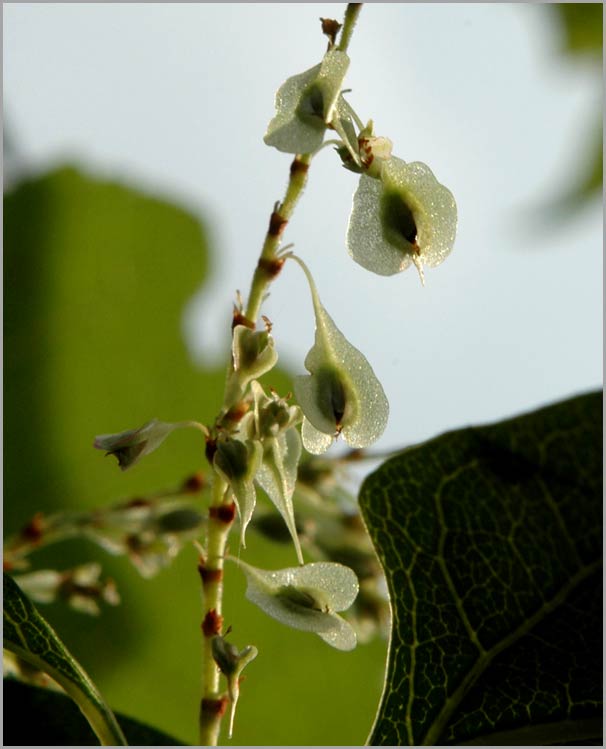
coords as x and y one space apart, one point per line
581 25
96 277
28 635
581 29
491 539
40 717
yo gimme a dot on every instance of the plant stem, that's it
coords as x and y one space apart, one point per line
269 265
351 16
221 515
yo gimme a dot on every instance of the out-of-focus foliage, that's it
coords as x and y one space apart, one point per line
582 25
581 28
96 279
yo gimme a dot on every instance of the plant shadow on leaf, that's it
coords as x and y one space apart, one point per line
491 539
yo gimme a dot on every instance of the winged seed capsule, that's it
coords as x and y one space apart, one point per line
305 105
130 446
405 216
342 394
306 598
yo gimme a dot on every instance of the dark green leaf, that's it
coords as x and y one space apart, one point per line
491 539
40 717
28 635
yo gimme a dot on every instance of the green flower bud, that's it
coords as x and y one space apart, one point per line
130 446
231 663
253 353
307 598
404 217
305 105
272 414
237 462
342 394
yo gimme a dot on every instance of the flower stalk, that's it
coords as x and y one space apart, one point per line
221 515
268 267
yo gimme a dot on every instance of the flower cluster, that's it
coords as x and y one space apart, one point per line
82 587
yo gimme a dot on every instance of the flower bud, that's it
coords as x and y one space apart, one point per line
231 663
237 462
306 598
305 105
404 217
253 353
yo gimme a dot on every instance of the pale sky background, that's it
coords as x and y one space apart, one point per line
175 99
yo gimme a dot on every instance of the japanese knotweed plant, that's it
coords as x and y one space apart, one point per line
262 439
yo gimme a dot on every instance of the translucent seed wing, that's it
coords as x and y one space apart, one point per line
342 637
277 476
365 240
314 441
437 212
286 131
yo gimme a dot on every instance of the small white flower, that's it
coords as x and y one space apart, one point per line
307 598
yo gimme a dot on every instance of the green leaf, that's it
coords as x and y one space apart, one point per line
28 635
34 716
491 539
581 26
